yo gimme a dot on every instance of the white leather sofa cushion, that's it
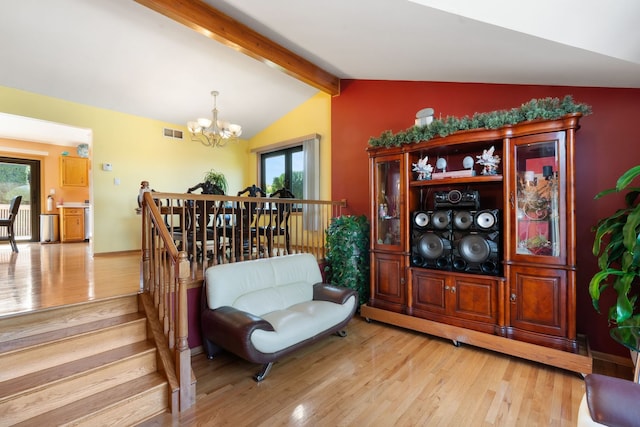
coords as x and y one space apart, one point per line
264 285
298 323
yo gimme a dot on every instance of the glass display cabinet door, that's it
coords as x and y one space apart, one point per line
387 194
539 197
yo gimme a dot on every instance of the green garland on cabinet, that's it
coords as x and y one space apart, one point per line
545 108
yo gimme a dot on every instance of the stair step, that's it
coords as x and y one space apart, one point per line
34 323
126 404
36 356
35 380
55 387
46 337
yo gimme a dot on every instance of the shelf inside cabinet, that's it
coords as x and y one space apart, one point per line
451 181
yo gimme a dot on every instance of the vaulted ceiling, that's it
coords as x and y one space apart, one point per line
125 56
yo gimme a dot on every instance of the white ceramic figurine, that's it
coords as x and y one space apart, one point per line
423 168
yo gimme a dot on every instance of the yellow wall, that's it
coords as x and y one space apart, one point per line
137 149
312 116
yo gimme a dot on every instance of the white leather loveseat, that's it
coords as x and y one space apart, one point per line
264 309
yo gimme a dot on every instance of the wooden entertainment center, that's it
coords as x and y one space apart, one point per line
481 257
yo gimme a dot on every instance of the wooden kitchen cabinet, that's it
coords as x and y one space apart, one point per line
72 225
74 171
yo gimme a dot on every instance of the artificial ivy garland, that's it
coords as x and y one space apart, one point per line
545 108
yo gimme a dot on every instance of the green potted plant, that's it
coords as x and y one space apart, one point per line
217 179
619 254
348 254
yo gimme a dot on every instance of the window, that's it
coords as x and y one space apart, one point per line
283 169
292 164
21 177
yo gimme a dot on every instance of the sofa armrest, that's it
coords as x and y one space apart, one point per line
332 293
229 318
231 329
613 401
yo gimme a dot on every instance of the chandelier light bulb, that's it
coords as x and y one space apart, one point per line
204 123
213 132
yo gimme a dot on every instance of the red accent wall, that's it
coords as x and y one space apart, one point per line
607 145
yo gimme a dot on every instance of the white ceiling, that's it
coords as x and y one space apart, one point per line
119 55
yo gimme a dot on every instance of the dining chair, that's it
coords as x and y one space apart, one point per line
202 223
278 223
9 222
247 227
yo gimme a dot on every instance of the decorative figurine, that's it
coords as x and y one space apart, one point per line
144 188
489 161
423 168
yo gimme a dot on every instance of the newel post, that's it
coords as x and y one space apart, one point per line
183 353
146 249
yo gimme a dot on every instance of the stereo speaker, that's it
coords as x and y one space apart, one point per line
485 220
476 241
476 252
431 220
431 239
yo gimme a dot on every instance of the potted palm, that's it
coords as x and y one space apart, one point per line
617 246
216 179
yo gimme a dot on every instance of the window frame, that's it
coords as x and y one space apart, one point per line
288 165
311 151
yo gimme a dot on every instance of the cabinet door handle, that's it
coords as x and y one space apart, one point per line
446 288
402 280
453 289
513 298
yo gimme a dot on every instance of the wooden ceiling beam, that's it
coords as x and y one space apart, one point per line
214 24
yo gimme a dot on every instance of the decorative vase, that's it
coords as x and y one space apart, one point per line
83 150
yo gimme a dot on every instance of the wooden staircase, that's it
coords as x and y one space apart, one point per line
86 364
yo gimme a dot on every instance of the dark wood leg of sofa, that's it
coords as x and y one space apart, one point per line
266 368
210 348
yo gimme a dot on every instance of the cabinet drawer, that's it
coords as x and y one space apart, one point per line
73 211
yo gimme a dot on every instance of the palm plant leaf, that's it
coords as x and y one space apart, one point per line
617 246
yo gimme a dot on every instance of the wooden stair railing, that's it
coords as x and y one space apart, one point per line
183 234
165 277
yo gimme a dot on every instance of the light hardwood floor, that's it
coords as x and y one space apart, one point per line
376 376
42 276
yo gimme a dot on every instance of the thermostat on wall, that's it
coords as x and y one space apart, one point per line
107 167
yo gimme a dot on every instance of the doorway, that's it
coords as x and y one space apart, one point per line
21 177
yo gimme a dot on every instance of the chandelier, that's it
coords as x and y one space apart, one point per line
213 133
